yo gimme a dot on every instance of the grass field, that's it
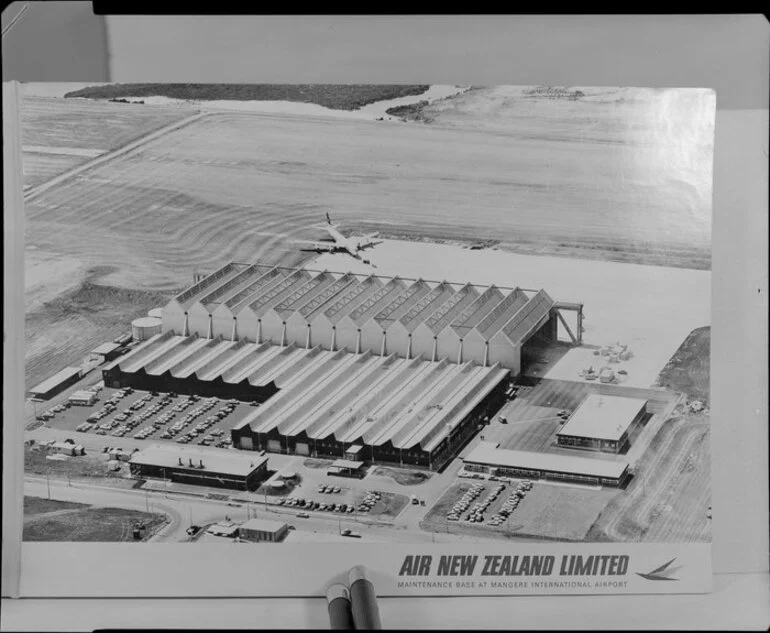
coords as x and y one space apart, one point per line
403 477
334 96
65 125
688 370
48 520
38 505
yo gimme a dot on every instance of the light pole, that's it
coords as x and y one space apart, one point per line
147 500
48 481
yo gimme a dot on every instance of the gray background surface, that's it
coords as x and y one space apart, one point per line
63 41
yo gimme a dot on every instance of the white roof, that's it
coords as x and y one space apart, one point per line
147 321
346 463
486 453
105 348
55 380
264 525
215 460
603 417
82 394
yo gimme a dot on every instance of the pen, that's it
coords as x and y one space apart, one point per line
340 616
363 601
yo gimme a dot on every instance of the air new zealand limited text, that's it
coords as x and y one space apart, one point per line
569 565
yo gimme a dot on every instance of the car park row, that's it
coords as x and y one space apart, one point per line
475 513
365 506
130 418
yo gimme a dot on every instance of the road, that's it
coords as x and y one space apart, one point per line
108 156
181 509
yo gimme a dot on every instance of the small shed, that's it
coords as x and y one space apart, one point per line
263 530
106 352
346 468
353 453
82 398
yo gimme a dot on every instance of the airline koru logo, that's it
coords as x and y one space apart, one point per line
664 572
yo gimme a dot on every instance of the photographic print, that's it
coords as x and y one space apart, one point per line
387 314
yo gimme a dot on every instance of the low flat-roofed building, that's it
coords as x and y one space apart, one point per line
346 468
354 452
602 423
106 351
56 383
68 448
200 466
487 458
263 530
83 397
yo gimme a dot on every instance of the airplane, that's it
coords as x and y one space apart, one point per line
341 244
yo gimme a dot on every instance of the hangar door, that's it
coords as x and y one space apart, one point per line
274 446
302 448
247 443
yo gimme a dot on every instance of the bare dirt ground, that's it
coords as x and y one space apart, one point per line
62 331
688 369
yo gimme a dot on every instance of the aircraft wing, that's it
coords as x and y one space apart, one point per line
370 243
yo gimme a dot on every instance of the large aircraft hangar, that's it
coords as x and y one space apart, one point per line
384 315
402 370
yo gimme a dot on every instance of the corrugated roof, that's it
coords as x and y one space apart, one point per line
349 299
502 313
527 317
454 306
422 309
603 417
243 295
402 303
304 293
188 297
329 293
376 301
475 312
232 284
277 292
486 453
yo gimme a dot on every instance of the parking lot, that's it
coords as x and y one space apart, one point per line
144 415
518 508
338 499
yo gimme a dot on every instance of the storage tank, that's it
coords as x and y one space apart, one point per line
156 312
145 328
